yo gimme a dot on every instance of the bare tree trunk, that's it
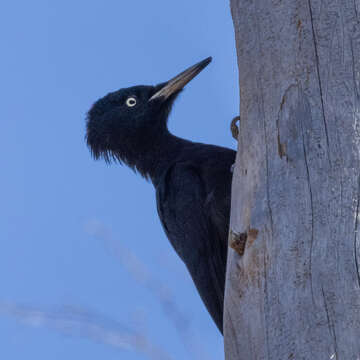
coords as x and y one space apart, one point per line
295 292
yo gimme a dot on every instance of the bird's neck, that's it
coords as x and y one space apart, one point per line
155 154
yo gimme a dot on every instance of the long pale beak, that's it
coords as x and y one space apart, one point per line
179 81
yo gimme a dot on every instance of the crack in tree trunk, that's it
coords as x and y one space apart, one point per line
312 211
319 78
356 236
330 325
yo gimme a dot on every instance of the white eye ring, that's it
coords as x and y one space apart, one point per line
131 102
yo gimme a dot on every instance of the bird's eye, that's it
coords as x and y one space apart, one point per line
131 101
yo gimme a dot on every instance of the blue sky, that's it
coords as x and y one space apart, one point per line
85 268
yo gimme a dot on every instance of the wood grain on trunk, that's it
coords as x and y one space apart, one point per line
295 291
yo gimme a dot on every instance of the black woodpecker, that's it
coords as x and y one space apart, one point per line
192 180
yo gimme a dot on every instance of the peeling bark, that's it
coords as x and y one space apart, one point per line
294 292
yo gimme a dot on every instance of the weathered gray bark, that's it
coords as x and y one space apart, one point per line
295 292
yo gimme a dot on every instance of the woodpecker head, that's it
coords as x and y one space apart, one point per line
127 123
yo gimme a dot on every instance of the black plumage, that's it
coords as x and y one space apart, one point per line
192 180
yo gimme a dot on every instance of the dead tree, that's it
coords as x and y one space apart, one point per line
294 292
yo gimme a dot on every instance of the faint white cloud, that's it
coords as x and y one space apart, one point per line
157 288
73 321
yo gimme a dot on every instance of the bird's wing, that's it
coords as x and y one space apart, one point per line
196 224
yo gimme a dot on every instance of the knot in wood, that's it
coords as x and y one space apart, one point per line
238 242
233 127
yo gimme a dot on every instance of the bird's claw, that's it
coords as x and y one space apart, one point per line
233 127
